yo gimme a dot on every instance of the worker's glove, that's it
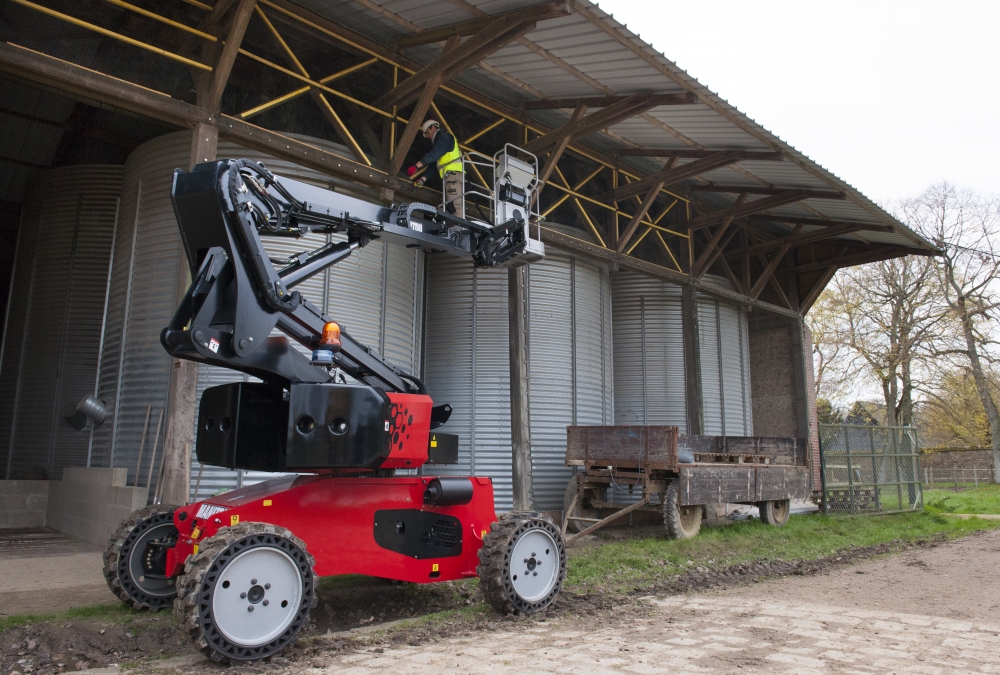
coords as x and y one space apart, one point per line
410 171
420 181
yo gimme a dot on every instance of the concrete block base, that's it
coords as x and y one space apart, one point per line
90 503
23 503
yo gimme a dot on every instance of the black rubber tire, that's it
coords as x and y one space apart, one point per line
774 512
581 509
116 557
681 522
494 562
193 606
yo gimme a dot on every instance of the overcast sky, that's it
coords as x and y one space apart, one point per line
890 96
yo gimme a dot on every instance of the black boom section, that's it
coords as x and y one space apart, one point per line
237 297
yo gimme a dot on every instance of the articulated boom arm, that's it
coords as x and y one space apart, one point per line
237 297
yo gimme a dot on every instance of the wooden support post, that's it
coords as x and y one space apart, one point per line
801 391
520 429
651 196
560 148
692 360
182 390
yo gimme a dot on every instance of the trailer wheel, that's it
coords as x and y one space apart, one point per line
583 509
682 522
774 512
247 593
522 563
135 561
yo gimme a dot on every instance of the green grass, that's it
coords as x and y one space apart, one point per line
984 499
117 613
622 565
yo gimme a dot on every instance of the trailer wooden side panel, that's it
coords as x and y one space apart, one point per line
648 447
713 484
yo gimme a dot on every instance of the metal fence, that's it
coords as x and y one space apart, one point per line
869 470
956 478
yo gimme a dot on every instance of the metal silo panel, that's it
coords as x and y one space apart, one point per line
553 348
648 351
732 360
449 344
592 320
54 331
491 377
711 382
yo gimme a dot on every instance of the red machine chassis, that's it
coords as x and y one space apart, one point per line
338 517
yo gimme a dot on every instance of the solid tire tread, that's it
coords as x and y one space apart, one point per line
112 555
494 562
189 585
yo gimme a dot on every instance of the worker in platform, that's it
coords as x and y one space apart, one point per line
448 157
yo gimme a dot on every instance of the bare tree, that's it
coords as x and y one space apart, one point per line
883 318
965 226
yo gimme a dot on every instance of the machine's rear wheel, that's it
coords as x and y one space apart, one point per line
682 522
247 593
582 507
135 561
774 512
522 563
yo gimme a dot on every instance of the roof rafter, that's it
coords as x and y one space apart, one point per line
627 107
605 101
673 175
742 210
496 35
549 10
755 190
698 154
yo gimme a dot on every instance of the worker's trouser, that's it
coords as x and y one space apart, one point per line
454 193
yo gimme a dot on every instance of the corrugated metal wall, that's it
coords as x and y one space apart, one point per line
52 342
570 372
648 351
649 357
725 365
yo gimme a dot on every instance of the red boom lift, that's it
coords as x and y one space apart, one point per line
240 568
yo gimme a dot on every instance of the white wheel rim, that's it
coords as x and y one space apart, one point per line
271 586
534 565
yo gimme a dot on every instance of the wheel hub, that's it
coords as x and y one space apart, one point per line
534 567
147 561
257 596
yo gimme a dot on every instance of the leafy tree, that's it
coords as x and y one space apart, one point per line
827 413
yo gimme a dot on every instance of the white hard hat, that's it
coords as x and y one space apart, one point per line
428 124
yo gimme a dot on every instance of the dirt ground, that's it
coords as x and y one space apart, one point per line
929 608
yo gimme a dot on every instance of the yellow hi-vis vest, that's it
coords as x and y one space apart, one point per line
451 160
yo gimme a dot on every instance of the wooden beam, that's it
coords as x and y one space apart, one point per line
737 284
220 74
804 238
699 154
710 253
605 101
633 224
629 106
786 197
859 258
822 222
758 190
675 174
553 158
768 272
594 252
495 36
543 12
813 295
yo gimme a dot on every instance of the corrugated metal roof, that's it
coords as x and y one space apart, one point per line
590 53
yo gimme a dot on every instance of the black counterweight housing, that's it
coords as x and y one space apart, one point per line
255 426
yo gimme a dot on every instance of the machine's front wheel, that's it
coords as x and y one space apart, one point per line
522 563
247 593
135 561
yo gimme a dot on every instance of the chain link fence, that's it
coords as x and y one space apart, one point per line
869 470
